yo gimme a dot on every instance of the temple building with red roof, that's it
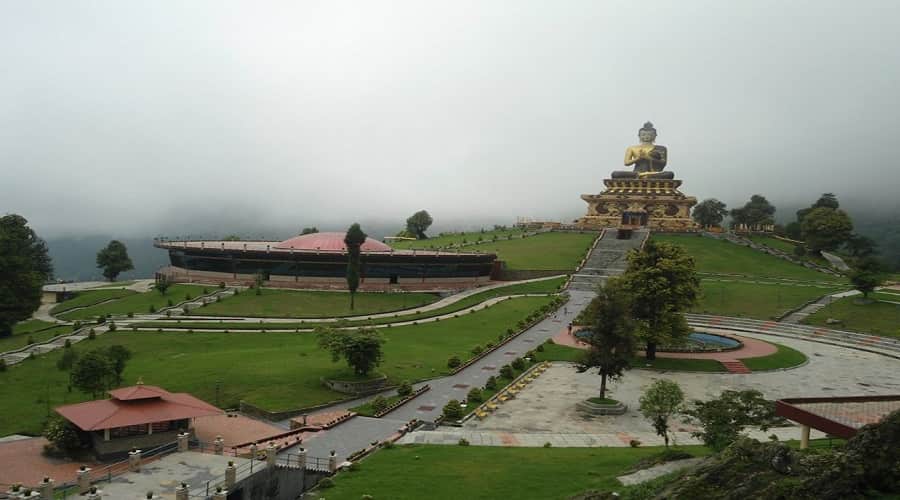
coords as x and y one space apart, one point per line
319 260
141 416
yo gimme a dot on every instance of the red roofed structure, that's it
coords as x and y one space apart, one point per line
141 416
328 242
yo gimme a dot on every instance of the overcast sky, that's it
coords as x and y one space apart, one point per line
144 117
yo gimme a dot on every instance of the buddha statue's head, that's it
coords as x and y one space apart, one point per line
647 133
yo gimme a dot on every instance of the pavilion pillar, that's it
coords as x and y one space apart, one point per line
46 488
106 434
270 454
804 437
134 460
183 440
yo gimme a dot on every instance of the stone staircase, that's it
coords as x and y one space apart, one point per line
734 366
608 258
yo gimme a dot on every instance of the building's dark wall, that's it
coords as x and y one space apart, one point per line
333 265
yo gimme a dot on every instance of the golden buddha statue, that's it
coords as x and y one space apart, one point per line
648 159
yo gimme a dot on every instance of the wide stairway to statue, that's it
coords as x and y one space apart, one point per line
608 258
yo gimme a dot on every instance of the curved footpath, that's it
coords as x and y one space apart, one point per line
16 355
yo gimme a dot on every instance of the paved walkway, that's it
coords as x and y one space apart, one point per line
798 316
621 439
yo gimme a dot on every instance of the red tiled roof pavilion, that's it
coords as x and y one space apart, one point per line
136 405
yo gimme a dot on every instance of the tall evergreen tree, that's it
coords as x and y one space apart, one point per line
114 260
612 337
24 267
663 284
354 239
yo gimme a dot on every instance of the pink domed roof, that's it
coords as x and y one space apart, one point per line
328 242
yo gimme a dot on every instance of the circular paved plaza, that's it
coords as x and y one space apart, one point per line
548 404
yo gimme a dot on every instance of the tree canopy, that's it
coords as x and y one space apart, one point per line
724 418
114 260
93 373
309 230
826 228
709 212
660 402
418 223
866 274
662 282
612 341
756 212
360 348
24 267
354 239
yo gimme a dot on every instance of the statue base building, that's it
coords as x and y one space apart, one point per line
656 204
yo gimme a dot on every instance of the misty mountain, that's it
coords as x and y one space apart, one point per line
74 258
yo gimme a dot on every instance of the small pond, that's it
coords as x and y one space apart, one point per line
696 342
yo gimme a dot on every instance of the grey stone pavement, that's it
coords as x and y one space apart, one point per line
162 476
657 470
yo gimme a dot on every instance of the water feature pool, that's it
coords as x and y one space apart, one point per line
696 342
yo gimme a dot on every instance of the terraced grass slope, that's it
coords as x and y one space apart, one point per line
545 251
276 371
274 303
126 301
879 318
721 257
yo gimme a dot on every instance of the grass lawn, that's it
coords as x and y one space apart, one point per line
556 352
37 330
367 410
456 239
274 303
133 302
276 371
755 300
785 246
441 472
545 251
784 358
878 318
89 298
718 256
543 286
